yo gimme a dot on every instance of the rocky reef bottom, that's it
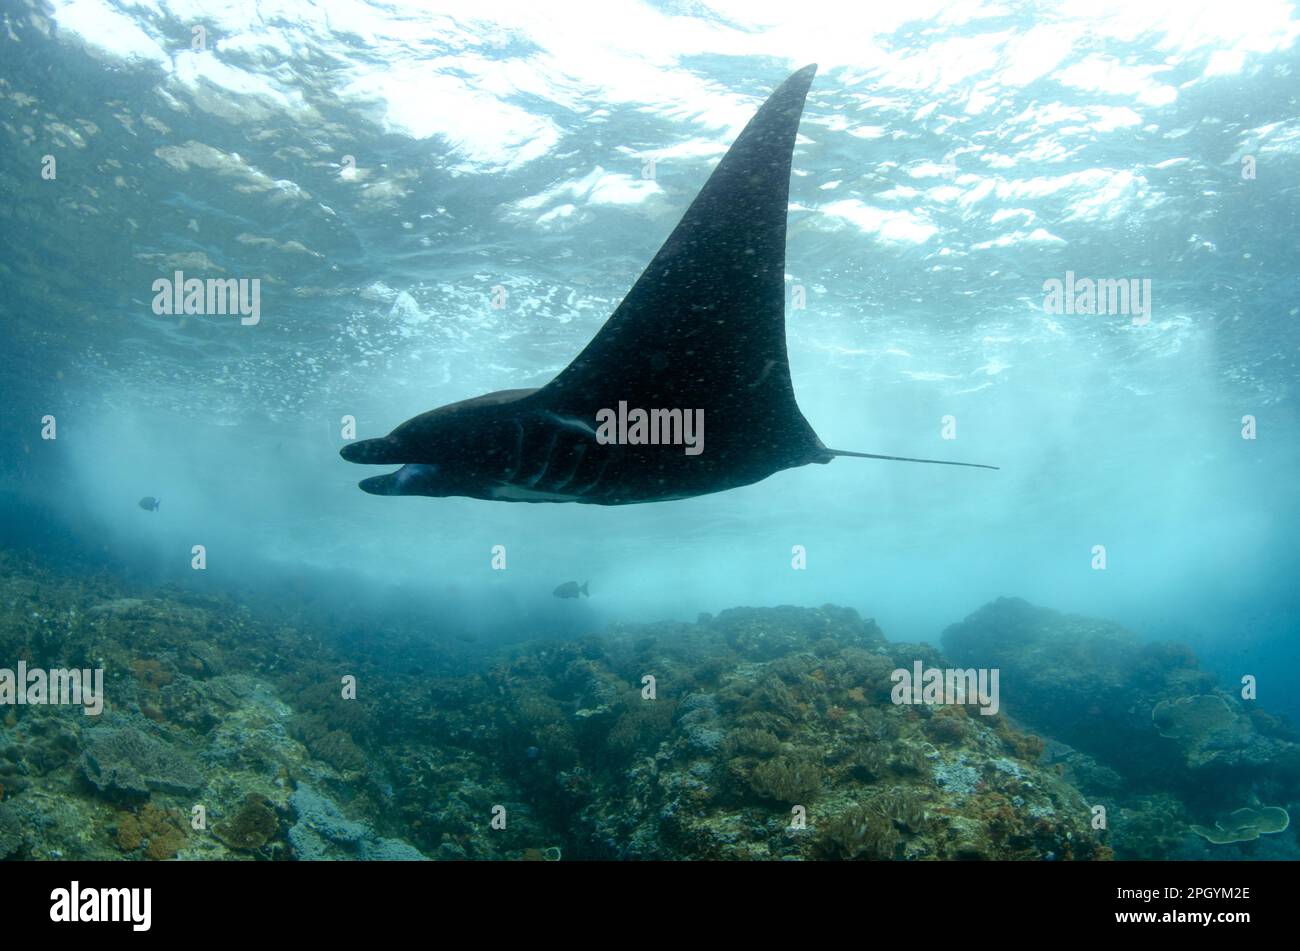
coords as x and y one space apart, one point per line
757 734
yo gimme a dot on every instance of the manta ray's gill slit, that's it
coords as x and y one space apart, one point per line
600 474
563 477
570 422
767 368
510 476
547 456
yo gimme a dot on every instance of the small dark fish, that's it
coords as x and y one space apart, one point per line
571 589
149 503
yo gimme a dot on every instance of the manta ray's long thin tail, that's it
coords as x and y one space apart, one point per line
936 462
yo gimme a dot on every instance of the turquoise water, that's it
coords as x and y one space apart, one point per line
385 170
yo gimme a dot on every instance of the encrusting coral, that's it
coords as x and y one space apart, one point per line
1246 825
251 827
1202 725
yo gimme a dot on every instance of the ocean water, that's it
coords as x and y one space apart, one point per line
442 200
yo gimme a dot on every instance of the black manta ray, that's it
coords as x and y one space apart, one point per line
698 343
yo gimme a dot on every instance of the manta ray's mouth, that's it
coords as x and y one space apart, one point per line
380 485
412 479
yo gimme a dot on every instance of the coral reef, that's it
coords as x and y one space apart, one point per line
1139 719
787 748
769 734
11 832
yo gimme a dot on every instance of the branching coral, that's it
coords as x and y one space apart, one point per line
787 779
641 724
903 806
752 742
776 696
910 759
870 761
860 833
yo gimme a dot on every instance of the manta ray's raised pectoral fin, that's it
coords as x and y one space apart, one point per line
704 325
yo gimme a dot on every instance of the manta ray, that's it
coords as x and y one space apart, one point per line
697 345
